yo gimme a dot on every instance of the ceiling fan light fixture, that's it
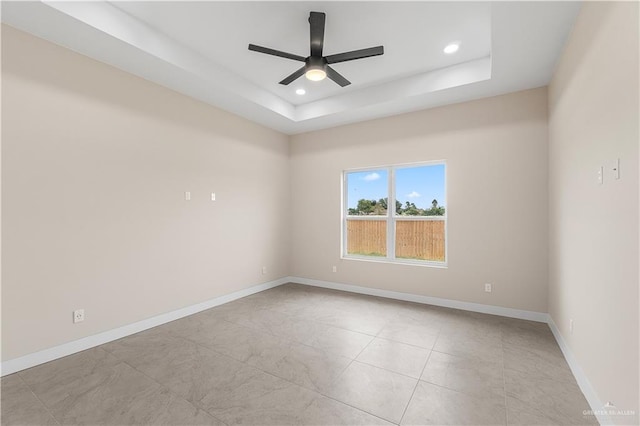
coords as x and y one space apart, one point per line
315 74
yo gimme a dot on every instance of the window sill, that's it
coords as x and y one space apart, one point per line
408 262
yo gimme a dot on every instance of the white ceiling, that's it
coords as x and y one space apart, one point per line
413 35
200 49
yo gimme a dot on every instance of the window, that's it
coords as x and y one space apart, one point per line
396 214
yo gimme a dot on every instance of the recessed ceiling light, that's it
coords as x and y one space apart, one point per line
452 48
300 92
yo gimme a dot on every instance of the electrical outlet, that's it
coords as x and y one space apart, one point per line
264 270
335 269
213 196
187 196
488 288
571 326
78 315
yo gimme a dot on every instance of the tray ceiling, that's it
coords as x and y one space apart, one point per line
200 49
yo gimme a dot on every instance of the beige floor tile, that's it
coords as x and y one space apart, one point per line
530 337
123 396
473 325
227 338
199 326
339 341
194 374
474 330
466 375
299 329
259 398
419 313
232 310
326 411
561 401
522 414
300 364
411 333
537 361
395 356
151 351
520 326
191 324
343 318
435 405
20 406
272 298
296 307
53 380
377 391
469 346
266 320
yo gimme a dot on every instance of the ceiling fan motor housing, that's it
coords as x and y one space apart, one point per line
315 63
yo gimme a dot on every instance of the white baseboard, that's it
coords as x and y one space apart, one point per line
46 355
585 386
447 303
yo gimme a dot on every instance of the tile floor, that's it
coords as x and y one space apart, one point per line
304 355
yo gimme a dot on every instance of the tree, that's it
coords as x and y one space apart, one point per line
365 206
379 210
379 207
435 210
412 210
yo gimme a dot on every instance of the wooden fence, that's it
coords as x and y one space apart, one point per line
415 239
367 237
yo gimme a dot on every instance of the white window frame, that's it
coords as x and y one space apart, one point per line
391 217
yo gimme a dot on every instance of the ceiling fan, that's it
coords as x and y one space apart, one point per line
316 67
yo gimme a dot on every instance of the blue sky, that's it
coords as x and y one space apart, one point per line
418 185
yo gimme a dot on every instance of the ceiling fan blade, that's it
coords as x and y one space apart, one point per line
355 54
276 53
316 23
337 77
299 73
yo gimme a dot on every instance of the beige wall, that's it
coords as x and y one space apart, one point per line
496 153
593 110
95 163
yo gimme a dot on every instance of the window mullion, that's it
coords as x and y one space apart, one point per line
345 207
391 210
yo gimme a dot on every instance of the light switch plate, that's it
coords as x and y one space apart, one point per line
600 175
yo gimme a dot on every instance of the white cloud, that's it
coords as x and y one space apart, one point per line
414 194
371 176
